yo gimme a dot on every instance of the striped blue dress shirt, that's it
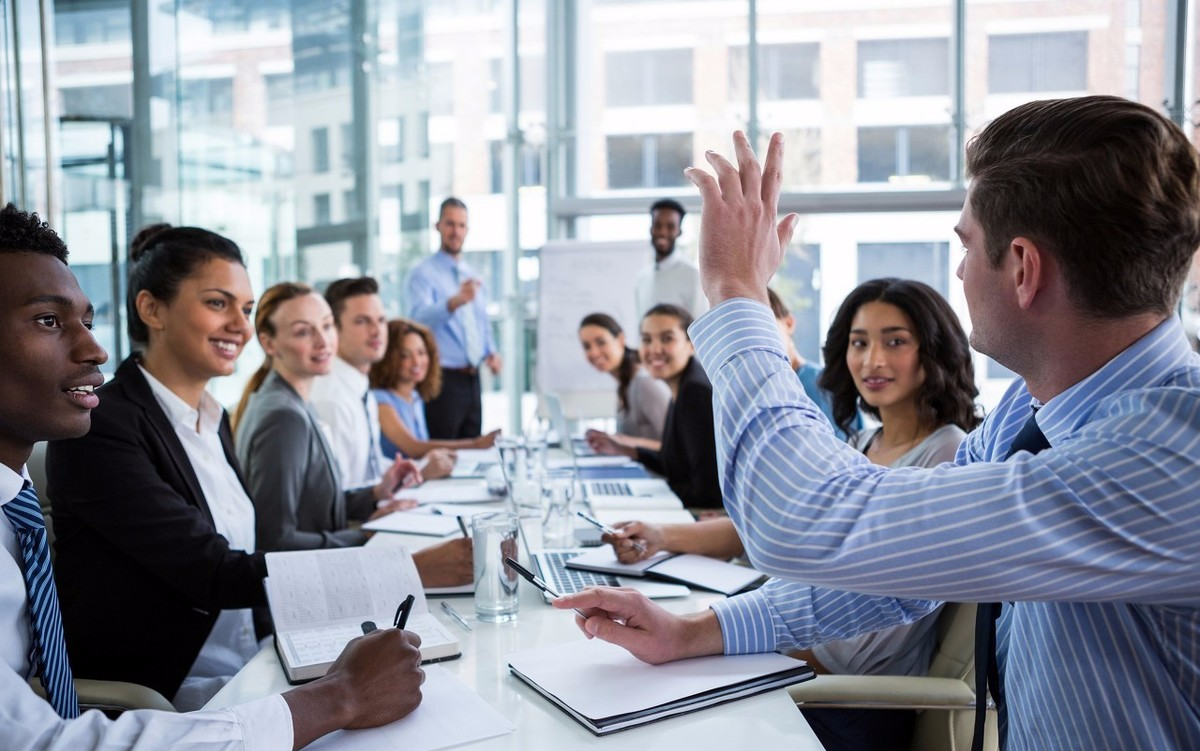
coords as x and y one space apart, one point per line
1097 539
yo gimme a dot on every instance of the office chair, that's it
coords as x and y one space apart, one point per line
945 698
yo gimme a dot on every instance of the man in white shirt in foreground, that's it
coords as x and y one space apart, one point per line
51 366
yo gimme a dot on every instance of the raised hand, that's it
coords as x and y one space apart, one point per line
741 245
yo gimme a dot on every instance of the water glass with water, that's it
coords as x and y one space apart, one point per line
558 513
495 538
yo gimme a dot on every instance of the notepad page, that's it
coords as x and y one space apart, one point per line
323 644
310 588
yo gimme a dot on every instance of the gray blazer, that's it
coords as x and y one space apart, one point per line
292 476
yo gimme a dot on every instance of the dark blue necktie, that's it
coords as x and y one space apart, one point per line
987 667
49 650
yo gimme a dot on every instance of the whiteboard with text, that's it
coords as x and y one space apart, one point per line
578 278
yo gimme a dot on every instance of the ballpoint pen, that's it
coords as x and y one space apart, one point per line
535 581
455 615
638 545
463 526
403 611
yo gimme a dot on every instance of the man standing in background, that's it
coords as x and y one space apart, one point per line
671 279
446 294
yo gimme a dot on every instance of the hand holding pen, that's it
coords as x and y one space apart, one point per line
401 619
631 541
529 576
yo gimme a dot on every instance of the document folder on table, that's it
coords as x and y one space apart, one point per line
606 689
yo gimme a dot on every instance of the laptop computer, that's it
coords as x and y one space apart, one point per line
576 446
551 567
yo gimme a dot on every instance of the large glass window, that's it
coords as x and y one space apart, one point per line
323 134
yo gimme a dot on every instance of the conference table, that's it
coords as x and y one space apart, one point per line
766 721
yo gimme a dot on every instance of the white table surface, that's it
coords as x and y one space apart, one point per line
767 721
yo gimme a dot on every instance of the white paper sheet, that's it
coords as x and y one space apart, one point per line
449 491
414 523
450 714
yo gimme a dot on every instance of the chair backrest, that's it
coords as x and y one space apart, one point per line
954 656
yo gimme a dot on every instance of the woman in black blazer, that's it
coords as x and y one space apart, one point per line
154 545
688 457
143 568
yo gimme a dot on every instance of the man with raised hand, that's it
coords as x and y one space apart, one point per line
1073 506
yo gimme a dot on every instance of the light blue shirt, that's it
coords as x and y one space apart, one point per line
1095 538
412 414
431 284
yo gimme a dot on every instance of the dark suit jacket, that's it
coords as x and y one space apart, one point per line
688 457
293 476
141 572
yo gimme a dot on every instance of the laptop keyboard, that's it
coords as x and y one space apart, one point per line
601 487
568 581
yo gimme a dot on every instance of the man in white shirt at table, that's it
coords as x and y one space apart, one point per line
51 366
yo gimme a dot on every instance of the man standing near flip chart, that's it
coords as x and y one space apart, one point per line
445 294
670 279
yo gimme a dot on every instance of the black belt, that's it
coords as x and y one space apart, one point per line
469 370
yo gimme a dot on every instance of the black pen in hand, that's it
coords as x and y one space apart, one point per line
529 577
402 612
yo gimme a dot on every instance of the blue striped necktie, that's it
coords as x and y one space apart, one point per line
987 669
49 649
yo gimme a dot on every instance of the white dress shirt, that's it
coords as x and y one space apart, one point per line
353 430
671 280
31 724
232 642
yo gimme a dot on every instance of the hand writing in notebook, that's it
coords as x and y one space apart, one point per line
628 619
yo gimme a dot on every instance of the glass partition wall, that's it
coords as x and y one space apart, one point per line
322 136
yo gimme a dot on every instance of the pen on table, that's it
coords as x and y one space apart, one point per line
529 577
403 611
638 545
455 615
463 526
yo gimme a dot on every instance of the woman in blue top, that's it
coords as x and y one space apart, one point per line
408 376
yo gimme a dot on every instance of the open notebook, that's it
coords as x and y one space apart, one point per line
320 599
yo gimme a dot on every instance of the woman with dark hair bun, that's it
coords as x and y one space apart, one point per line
152 518
157 564
642 399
